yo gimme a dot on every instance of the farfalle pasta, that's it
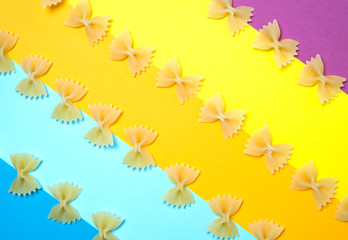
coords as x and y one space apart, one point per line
64 212
7 42
342 212
139 157
105 115
238 17
35 67
186 86
264 230
70 92
260 144
138 58
24 183
268 38
81 16
225 207
181 176
214 110
50 3
323 189
105 222
313 74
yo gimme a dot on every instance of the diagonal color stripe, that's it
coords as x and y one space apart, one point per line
108 185
319 26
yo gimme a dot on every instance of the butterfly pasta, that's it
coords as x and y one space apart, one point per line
323 189
138 58
186 86
105 222
238 17
105 115
32 86
64 212
139 157
268 38
50 3
260 144
95 27
70 92
24 183
342 212
265 230
7 42
313 74
225 207
181 176
214 110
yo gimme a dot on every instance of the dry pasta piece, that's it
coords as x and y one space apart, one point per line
105 115
265 230
186 86
238 17
313 74
214 110
64 212
24 183
105 222
138 58
342 212
70 92
225 207
95 27
7 42
323 189
181 176
32 86
268 38
50 3
276 155
139 157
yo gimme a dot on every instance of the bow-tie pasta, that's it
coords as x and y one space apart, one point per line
342 212
50 3
7 42
237 18
81 16
268 38
181 176
323 189
186 86
265 230
105 222
24 183
138 58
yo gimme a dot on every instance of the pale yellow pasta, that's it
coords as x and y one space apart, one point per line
238 17
105 115
313 74
105 222
342 212
181 176
214 110
264 230
323 189
139 157
268 38
70 92
24 183
64 212
50 3
225 207
35 67
81 16
276 155
138 58
7 42
186 86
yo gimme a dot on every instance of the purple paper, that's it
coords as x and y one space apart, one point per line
321 27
